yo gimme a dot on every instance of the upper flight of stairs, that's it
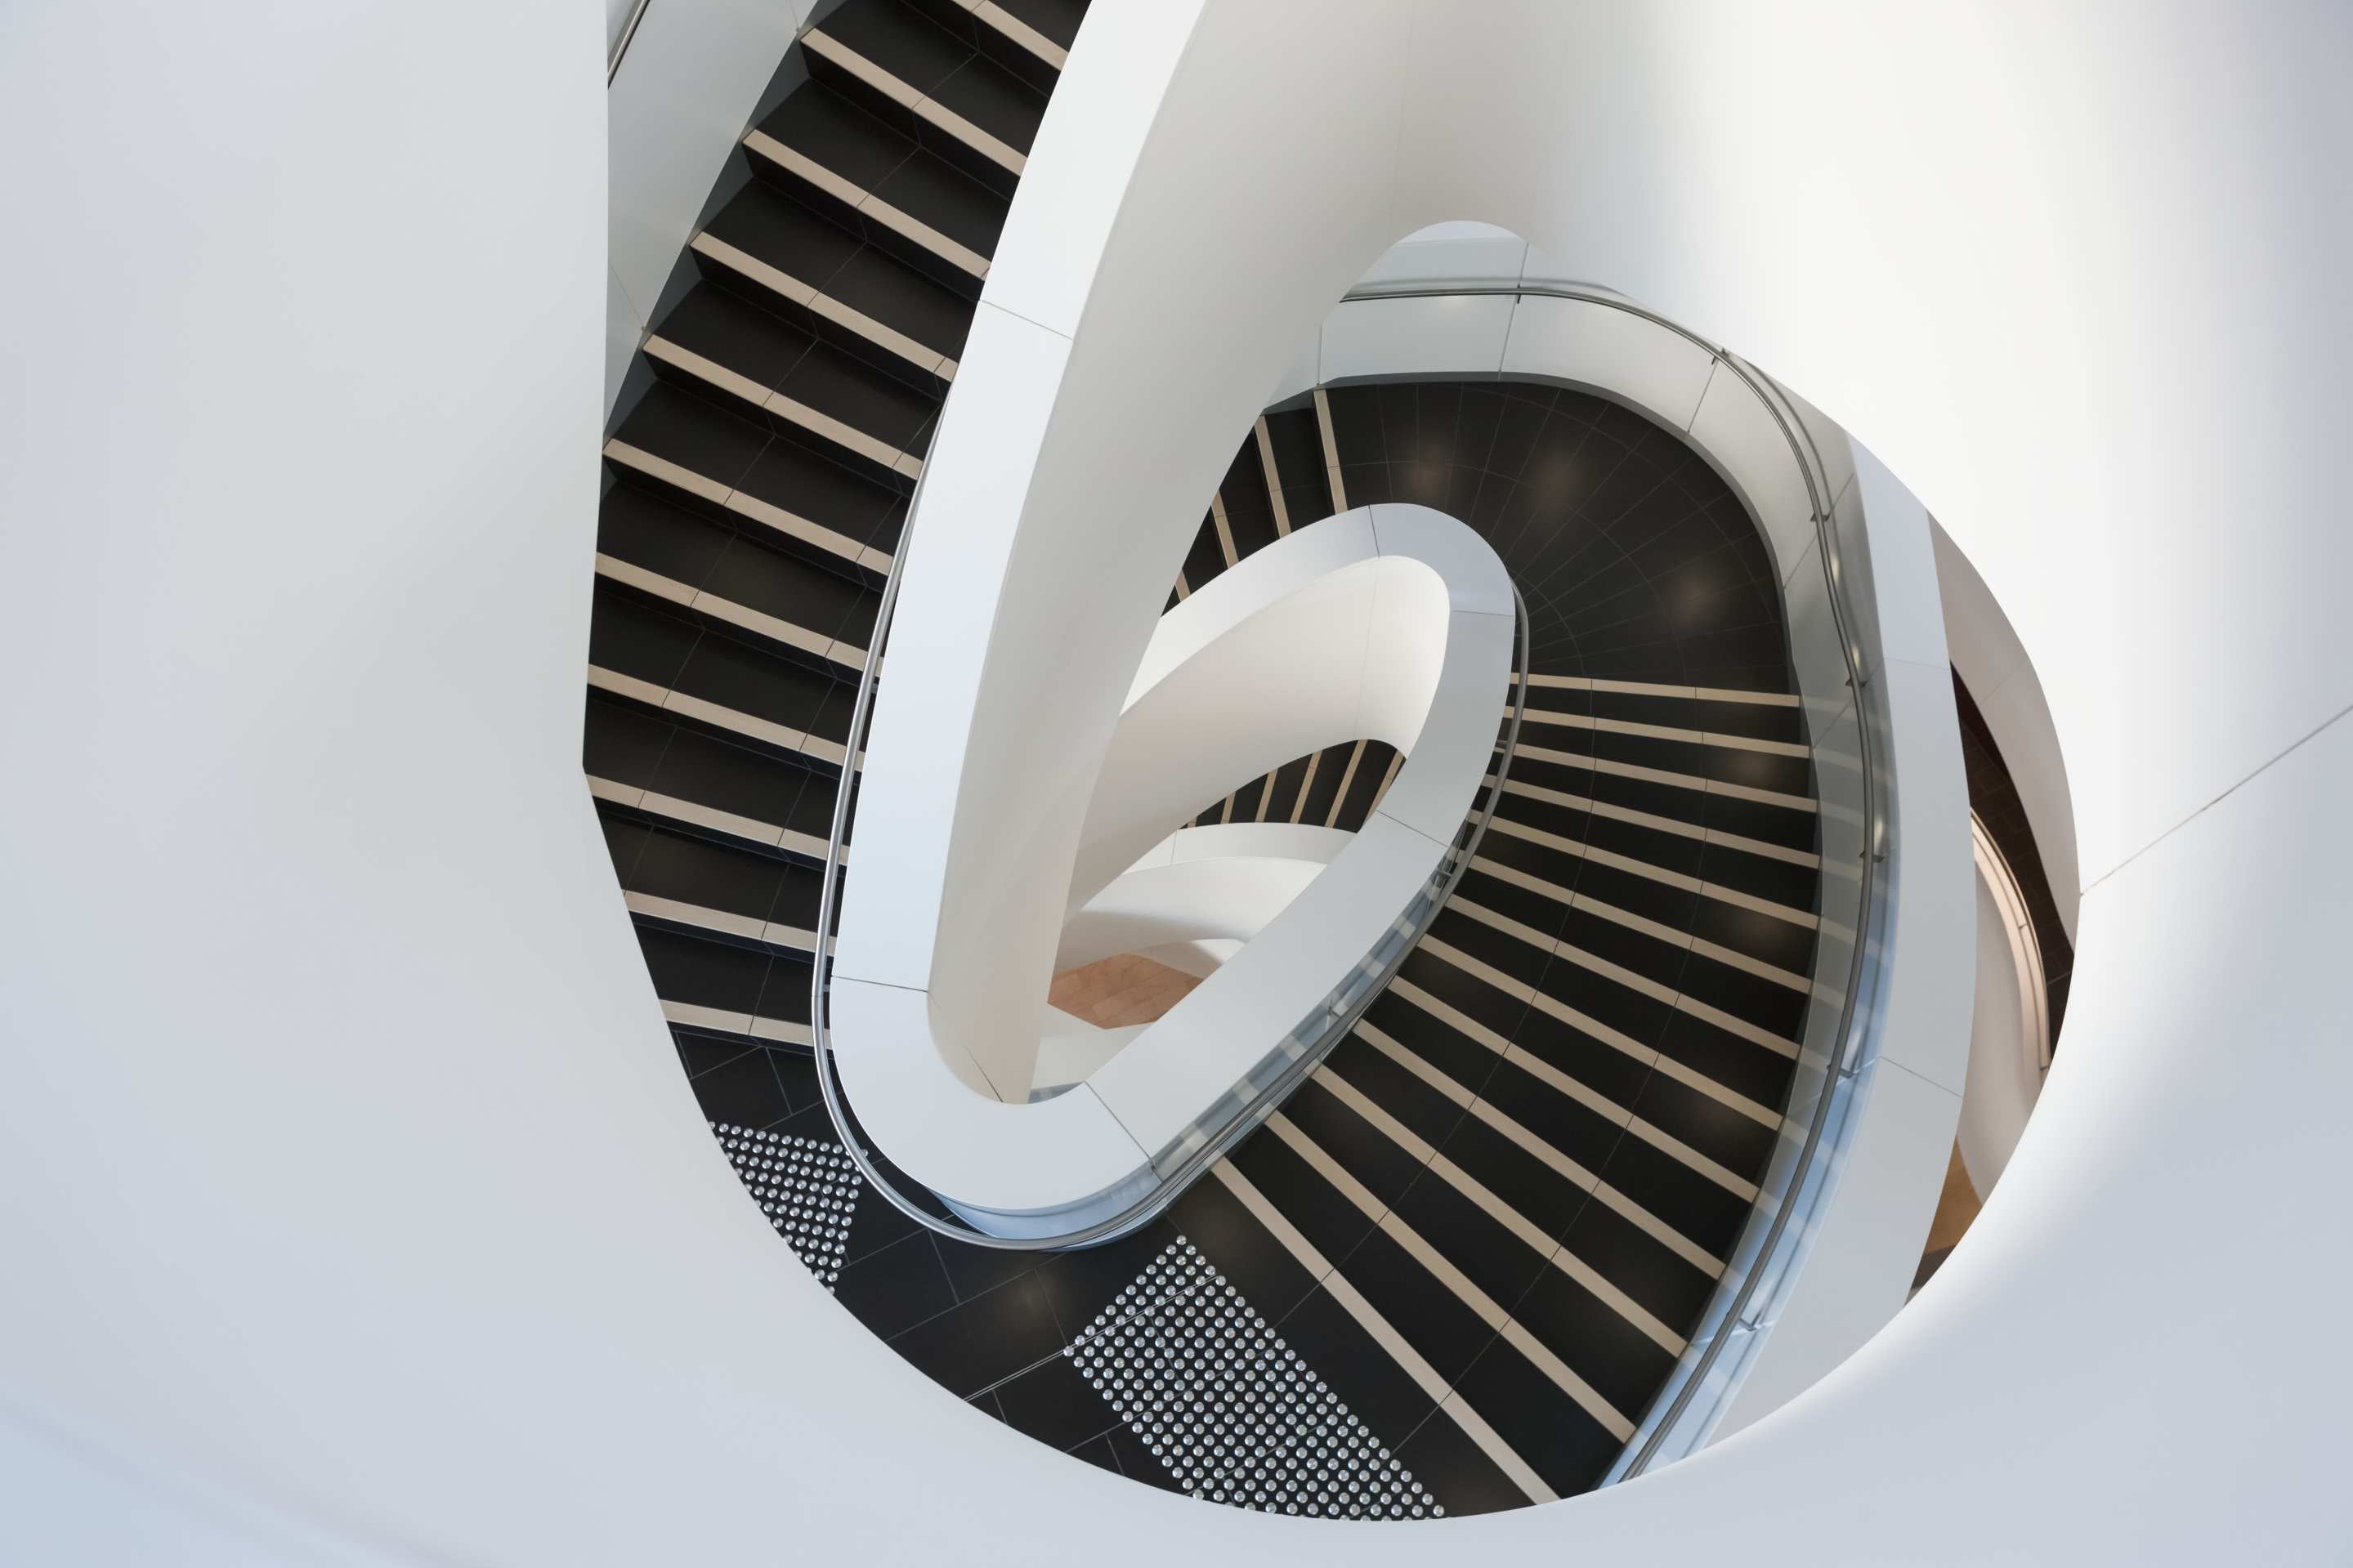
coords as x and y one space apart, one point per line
1461 1260
759 471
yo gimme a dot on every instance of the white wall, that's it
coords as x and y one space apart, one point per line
353 1192
678 105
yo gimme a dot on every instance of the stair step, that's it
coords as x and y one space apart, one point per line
931 85
647 763
720 346
899 195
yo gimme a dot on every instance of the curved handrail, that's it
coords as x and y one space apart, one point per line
1345 1005
2025 947
1777 1247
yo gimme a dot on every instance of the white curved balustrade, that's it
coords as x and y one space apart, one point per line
1392 622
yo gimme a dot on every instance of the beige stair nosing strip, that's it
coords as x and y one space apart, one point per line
1761 698
1355 1099
1658 1230
1430 1075
694 1014
1631 978
1670 778
1511 1129
1641 819
1756 966
1306 781
1731 1180
704 918
818 303
680 809
1625 1043
1462 904
1512 827
1653 688
1331 451
1225 531
1758 847
782 1030
1563 1376
1560 1165
1518 990
1733 1023
629 686
687 705
1273 480
905 96
996 149
866 204
842 434
766 274
1732 1098
1592 1098
1667 733
886 338
1527 881
1491 1312
1348 777
750 1026
772 627
735 384
614 791
1569 1086
1323 1165
795 526
745 504
662 468
1011 27
1529 1232
1655 930
1756 905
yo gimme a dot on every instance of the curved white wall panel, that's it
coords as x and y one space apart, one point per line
1394 622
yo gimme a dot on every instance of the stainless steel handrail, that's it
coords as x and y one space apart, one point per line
1253 1114
625 37
1777 1247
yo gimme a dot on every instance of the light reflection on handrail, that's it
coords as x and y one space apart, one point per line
1340 1010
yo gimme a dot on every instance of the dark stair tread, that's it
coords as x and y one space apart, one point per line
940 66
853 144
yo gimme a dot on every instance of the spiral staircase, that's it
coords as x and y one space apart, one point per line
357 1222
1487 1224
